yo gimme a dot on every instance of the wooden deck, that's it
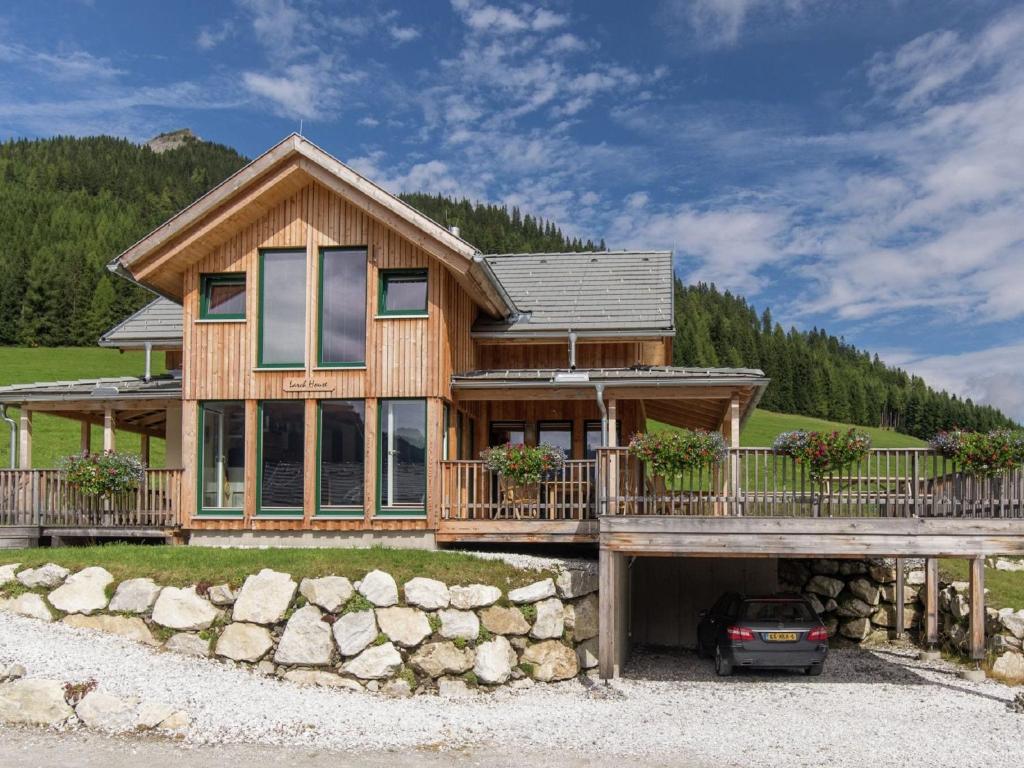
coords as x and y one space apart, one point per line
39 502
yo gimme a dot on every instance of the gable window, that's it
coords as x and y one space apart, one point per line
222 458
341 442
222 296
342 307
402 292
282 332
281 464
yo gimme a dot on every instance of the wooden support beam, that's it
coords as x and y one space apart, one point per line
977 608
901 568
931 601
86 439
144 450
25 435
109 440
613 601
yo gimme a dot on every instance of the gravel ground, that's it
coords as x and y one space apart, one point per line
870 706
536 562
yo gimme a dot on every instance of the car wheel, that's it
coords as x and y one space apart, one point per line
814 670
723 667
702 652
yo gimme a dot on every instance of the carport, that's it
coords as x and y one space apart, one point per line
626 539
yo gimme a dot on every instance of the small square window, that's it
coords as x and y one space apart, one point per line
403 292
223 297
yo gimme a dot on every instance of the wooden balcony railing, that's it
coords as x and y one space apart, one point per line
42 497
752 482
470 491
756 482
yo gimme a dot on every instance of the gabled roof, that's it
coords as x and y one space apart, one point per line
609 293
159 323
158 260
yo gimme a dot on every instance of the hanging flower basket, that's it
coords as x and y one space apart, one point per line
103 475
981 454
823 453
673 453
522 465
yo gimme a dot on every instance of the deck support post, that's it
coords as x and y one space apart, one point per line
931 608
25 435
613 627
977 608
901 568
109 441
144 450
85 444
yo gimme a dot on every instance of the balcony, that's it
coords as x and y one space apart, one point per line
889 484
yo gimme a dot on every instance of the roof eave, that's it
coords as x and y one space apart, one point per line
513 334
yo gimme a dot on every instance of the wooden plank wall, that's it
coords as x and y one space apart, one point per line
406 357
592 355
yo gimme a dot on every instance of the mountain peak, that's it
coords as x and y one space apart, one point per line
171 140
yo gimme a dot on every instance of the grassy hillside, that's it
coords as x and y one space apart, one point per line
762 427
53 436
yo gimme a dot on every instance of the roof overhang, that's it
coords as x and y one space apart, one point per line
520 335
159 260
682 397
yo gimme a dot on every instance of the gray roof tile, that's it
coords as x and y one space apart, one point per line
605 291
159 322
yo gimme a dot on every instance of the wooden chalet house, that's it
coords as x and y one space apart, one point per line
339 360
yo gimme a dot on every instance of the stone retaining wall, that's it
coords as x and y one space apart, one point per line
857 601
425 636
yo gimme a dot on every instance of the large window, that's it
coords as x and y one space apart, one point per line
222 458
592 431
403 457
502 432
222 296
557 434
402 292
282 341
340 468
342 306
281 452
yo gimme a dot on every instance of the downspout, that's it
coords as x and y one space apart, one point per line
14 435
149 361
572 350
599 390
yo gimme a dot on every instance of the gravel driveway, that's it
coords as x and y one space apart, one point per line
879 707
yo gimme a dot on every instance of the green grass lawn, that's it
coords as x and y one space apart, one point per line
180 566
1005 588
763 426
53 436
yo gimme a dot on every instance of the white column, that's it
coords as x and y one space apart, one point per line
109 440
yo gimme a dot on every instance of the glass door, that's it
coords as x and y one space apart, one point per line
403 457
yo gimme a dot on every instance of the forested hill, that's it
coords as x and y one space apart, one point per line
814 373
68 205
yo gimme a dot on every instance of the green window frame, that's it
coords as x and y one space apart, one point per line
411 511
201 509
301 363
207 283
322 361
342 511
281 512
386 277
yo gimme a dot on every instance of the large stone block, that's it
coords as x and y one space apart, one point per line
264 597
504 621
244 642
571 584
533 593
428 594
83 592
354 631
327 592
379 588
33 702
45 576
407 627
375 663
306 639
865 590
444 658
581 617
494 661
825 586
29 605
551 661
473 596
130 627
183 609
459 624
134 596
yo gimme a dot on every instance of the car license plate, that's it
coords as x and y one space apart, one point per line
780 637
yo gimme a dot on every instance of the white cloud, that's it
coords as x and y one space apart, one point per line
60 65
294 93
210 37
993 375
720 23
403 34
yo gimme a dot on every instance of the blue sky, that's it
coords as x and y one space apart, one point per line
854 165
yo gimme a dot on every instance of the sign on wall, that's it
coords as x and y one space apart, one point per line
308 384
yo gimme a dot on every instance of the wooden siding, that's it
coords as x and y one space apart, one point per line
588 355
406 357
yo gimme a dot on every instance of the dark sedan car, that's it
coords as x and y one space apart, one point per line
777 631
